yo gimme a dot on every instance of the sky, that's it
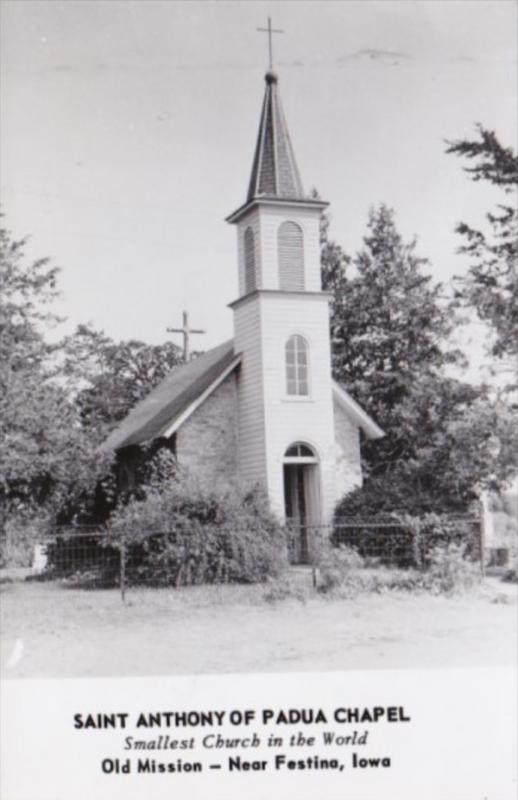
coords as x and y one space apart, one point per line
128 131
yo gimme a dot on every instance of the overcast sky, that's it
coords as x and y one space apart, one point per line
128 131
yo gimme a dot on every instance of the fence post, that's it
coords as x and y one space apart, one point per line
482 538
416 544
122 550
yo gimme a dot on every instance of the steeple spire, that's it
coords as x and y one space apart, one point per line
274 171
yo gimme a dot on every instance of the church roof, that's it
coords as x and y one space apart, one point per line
274 171
175 398
175 395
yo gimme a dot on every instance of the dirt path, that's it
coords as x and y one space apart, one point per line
50 631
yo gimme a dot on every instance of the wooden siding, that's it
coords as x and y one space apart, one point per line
290 255
249 252
265 222
251 426
292 419
253 222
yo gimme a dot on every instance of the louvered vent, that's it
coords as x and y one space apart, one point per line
291 257
250 282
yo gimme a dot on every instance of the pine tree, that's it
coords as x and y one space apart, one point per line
491 285
389 329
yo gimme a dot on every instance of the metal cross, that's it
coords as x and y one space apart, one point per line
269 30
186 331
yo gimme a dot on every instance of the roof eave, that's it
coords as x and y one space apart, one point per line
365 422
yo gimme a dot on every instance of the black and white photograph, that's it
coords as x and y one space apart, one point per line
259 360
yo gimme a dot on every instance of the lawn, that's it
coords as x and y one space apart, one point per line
49 630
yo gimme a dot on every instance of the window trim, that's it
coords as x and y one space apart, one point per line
305 459
297 396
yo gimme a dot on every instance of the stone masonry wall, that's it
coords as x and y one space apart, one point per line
206 444
348 474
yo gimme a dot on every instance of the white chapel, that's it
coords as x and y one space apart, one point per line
263 408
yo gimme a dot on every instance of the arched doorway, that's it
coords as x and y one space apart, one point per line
301 499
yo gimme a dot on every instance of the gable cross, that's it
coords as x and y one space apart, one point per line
269 30
186 331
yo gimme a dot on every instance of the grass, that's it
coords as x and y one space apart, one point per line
52 631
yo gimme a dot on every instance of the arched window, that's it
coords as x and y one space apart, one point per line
249 261
297 367
290 242
299 450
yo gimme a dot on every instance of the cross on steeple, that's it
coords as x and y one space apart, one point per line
269 30
186 331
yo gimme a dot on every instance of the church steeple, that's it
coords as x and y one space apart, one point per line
278 227
274 171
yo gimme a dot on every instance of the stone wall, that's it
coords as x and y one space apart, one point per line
348 473
206 444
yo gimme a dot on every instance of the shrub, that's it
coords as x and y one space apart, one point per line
441 531
381 494
339 570
404 540
183 535
287 587
21 532
449 571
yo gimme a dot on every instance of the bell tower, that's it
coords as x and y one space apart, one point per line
281 329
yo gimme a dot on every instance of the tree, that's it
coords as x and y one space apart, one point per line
387 327
491 285
389 330
27 292
46 459
109 378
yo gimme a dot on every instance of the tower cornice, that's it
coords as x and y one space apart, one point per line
274 202
282 294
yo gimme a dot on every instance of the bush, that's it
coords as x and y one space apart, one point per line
287 587
342 573
439 531
449 571
22 531
382 494
404 540
182 536
339 570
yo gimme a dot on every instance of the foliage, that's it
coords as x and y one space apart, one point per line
338 569
111 377
27 292
387 322
180 535
405 540
58 400
389 329
21 530
458 441
449 570
491 285
287 587
46 460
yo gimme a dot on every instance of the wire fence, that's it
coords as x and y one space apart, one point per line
89 558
